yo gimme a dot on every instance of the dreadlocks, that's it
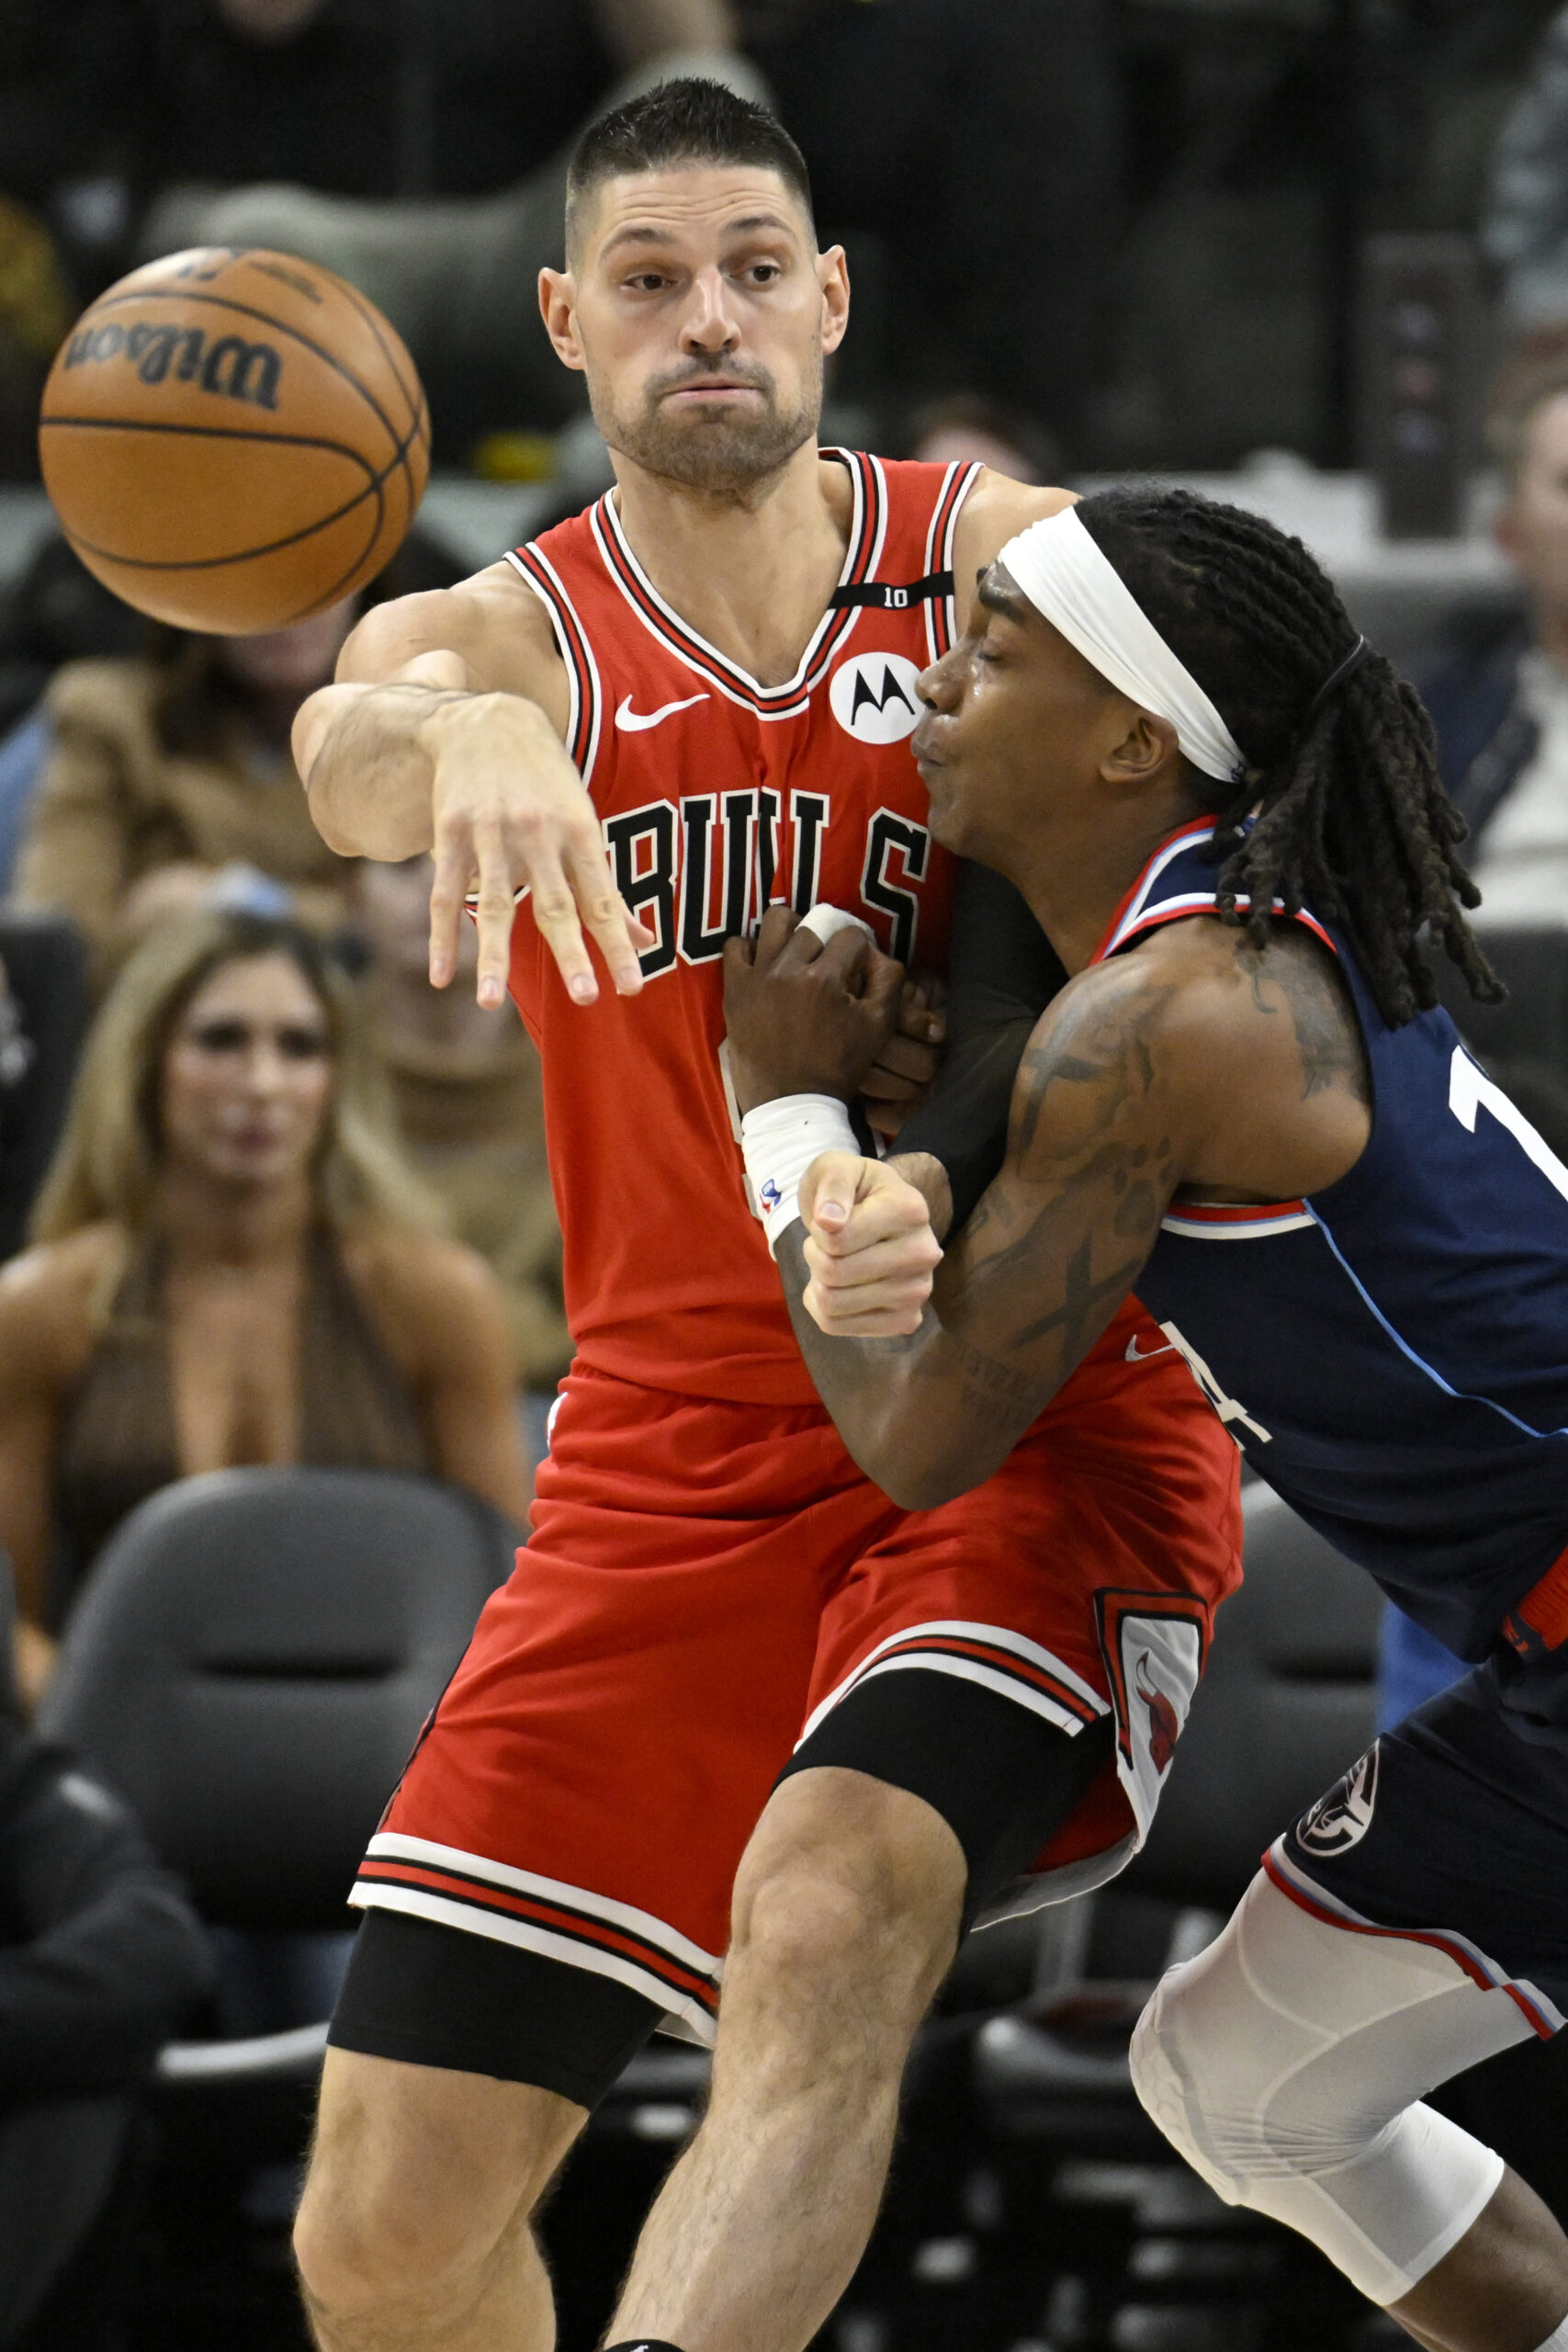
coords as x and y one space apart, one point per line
1350 815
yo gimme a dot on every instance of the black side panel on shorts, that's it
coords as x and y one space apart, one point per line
1003 1777
440 1997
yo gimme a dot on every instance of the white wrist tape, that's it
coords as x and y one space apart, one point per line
779 1140
828 921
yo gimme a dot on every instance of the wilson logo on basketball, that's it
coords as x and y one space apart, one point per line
227 364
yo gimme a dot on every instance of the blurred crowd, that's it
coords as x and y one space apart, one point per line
266 1198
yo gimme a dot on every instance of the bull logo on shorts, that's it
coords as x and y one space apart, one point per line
1342 1818
1164 1726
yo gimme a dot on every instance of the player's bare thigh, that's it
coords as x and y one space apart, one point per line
419 2172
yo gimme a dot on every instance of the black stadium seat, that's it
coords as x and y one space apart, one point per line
250 1665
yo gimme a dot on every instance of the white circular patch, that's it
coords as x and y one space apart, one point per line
873 698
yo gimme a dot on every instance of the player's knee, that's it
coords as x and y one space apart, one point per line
363 2251
840 1890
1215 2062
370 2241
410 2198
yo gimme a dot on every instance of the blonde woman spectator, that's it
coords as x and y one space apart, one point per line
232 1265
165 769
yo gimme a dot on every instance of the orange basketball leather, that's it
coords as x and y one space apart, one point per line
232 439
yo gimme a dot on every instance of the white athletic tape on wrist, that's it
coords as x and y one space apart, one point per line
827 922
779 1140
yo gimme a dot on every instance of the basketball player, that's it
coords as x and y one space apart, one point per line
1354 1239
723 653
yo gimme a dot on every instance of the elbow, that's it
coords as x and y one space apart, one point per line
915 1478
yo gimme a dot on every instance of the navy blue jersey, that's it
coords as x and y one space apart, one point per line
1391 1355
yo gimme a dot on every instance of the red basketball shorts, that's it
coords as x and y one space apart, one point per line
706 1581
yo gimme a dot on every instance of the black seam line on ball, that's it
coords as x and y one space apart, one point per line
339 586
375 322
373 489
267 317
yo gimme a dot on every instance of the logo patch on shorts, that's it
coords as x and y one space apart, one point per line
1342 1818
1153 1648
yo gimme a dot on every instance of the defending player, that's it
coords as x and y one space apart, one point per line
726 648
1356 1243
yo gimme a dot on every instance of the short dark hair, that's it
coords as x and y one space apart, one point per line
689 121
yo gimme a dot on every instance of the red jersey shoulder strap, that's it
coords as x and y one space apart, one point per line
585 712
909 486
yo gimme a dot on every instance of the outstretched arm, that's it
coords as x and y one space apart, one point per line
1103 1121
442 731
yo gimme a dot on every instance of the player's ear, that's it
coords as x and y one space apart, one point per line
833 278
557 308
1147 749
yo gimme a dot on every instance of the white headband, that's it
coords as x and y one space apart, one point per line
1066 577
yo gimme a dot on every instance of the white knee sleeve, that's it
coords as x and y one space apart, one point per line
1288 2063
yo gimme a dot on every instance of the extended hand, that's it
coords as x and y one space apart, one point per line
801 1018
510 812
870 1250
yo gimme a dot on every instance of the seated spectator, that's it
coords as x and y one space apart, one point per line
467 1102
1497 688
160 758
162 771
232 1266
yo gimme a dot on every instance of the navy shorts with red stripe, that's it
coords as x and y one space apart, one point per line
1453 1830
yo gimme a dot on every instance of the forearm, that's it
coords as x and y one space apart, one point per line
926 1418
368 756
367 766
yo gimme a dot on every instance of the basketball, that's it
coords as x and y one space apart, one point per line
232 439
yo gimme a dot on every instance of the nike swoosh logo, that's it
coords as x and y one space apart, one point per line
1142 1355
630 721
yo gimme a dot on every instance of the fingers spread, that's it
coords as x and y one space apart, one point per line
610 921
452 870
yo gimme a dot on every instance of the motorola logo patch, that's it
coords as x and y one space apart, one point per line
873 697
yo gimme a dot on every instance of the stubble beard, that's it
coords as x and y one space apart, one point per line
727 454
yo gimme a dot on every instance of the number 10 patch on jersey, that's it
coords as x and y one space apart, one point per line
1153 1648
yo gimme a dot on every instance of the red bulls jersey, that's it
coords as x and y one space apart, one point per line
718 798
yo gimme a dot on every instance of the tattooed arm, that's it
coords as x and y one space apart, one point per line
1196 1064
1095 1150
